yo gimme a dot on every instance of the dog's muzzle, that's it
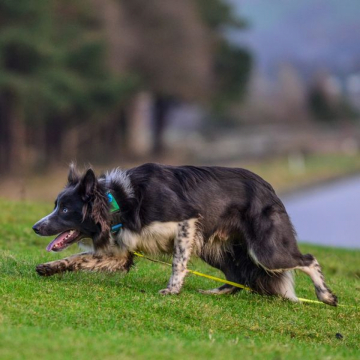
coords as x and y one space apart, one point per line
36 228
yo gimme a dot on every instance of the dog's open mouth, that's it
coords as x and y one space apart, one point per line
63 240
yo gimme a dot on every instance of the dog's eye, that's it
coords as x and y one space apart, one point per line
65 210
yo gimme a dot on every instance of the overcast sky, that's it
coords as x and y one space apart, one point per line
311 33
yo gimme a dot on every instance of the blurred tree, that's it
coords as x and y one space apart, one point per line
218 14
231 64
326 101
179 51
52 75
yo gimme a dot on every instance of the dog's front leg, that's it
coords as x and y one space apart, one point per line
87 261
183 244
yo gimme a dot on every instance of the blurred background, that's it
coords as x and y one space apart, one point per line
273 86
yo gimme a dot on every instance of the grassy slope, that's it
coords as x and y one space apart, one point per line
318 168
98 316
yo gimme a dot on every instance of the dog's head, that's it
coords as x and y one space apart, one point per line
81 211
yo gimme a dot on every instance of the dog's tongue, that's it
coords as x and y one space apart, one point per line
60 241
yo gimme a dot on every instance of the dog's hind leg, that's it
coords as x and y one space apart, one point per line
280 277
312 268
224 289
184 242
271 244
87 261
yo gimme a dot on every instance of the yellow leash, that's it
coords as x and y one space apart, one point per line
197 273
223 280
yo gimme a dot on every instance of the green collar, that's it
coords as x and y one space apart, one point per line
114 209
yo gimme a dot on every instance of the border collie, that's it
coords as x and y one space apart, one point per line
229 217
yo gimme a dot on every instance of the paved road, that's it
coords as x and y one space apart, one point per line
328 215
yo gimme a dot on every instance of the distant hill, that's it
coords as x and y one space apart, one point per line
311 34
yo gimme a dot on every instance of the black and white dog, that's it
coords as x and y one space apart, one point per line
230 218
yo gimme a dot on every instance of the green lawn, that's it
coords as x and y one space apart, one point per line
317 168
99 316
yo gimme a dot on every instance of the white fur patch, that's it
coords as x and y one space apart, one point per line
86 245
156 238
286 286
219 291
120 177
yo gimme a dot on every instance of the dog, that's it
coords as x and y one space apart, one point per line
229 217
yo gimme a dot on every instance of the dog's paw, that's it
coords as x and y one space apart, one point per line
44 270
219 291
168 291
326 296
330 299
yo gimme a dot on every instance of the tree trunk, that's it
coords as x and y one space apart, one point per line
4 135
70 144
138 125
162 106
16 147
53 138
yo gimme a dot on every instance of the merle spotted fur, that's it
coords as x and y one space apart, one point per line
229 217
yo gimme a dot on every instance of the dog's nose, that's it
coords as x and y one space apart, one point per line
36 229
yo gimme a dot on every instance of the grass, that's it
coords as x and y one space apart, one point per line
316 168
99 316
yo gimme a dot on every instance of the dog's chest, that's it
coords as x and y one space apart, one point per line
158 237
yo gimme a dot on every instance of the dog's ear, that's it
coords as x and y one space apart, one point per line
87 185
96 202
74 176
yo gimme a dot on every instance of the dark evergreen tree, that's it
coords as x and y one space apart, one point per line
52 76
